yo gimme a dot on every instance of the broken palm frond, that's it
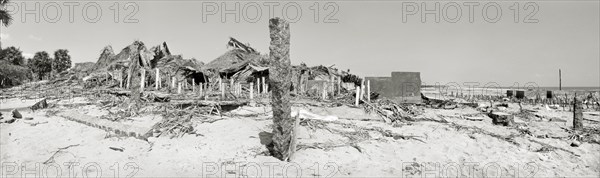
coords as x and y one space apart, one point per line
174 125
391 111
51 159
547 148
358 134
178 120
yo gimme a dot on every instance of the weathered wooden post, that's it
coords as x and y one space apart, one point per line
280 78
194 85
257 85
251 90
577 114
368 90
324 91
120 79
142 81
264 86
559 80
201 86
172 82
129 78
357 96
331 83
362 88
231 86
157 82
221 88
339 85
178 87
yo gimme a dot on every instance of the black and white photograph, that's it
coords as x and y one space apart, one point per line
299 88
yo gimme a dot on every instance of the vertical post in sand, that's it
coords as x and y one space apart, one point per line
178 87
251 90
559 80
280 78
221 88
368 90
357 95
157 82
142 81
172 82
201 86
362 88
128 79
264 86
194 85
231 86
257 85
331 83
577 114
301 83
339 85
324 91
120 79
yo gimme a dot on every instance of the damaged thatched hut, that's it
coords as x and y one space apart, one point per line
242 64
126 67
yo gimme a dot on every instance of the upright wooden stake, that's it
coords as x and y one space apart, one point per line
129 79
362 88
280 78
339 85
201 88
559 80
231 86
178 87
157 82
251 90
194 85
222 87
577 114
332 85
120 79
324 91
257 85
357 96
172 82
142 81
264 86
368 90
301 83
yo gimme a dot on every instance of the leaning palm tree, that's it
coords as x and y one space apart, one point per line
5 17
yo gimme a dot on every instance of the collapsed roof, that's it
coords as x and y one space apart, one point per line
241 58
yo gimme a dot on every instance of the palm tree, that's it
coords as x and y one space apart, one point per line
5 18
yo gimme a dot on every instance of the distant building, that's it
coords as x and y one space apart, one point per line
402 87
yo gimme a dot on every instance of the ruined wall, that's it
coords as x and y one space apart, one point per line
402 87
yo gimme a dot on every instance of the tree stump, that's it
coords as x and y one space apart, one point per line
500 118
577 114
280 80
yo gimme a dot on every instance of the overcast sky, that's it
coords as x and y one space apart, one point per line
370 38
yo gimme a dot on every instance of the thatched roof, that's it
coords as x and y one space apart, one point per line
234 60
160 51
322 73
107 57
136 52
175 64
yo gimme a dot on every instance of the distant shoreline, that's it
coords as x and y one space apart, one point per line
597 88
